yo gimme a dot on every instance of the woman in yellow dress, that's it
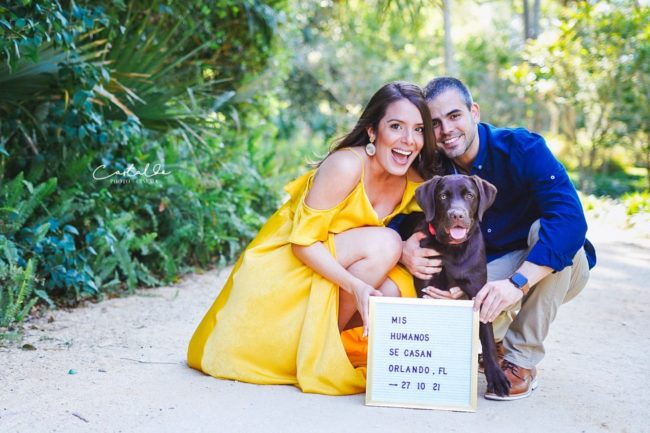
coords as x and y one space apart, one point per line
300 283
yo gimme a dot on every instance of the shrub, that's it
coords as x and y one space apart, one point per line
16 286
85 84
637 202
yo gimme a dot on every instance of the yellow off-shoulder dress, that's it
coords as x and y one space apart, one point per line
275 320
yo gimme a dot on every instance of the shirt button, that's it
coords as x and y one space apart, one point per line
489 230
480 167
553 177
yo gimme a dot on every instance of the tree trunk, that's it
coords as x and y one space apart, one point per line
526 18
554 121
647 164
593 152
568 126
450 64
534 28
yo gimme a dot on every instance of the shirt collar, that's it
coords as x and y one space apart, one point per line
482 147
477 165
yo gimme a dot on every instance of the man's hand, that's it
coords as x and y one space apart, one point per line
422 263
495 297
452 294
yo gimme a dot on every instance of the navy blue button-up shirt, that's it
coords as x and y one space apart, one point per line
531 184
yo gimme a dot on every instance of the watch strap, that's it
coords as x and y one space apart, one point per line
520 281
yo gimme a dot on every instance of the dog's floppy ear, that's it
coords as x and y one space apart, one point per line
487 193
425 195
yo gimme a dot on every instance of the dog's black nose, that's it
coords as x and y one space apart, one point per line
457 214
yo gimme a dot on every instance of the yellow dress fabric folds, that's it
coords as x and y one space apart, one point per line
275 320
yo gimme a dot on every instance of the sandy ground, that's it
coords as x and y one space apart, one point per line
119 366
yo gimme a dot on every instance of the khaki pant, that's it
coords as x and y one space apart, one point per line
524 326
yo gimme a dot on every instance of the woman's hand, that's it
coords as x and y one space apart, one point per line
452 294
362 293
422 263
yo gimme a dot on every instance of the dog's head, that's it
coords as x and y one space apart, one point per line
453 205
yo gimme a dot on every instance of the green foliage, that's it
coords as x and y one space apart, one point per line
16 286
32 235
123 86
613 185
149 65
231 97
594 75
201 213
637 202
339 53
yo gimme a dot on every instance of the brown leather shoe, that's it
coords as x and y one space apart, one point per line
523 381
501 352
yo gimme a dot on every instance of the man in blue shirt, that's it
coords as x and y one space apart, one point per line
538 257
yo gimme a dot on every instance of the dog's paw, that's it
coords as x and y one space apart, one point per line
497 382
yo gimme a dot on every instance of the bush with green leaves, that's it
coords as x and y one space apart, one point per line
125 84
104 235
16 286
637 202
593 74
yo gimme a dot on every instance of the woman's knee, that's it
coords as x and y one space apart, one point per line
386 247
380 245
389 288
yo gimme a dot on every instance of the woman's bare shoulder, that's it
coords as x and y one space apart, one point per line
336 177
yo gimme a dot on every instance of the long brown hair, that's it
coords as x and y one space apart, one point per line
427 163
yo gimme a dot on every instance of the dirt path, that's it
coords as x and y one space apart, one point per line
119 366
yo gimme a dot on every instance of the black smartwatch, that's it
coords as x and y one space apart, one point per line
520 282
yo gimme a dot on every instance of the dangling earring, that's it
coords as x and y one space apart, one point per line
370 148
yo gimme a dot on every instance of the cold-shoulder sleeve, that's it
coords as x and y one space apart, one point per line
309 225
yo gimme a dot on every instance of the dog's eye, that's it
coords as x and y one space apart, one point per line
443 196
469 196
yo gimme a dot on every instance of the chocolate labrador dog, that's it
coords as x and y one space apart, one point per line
453 206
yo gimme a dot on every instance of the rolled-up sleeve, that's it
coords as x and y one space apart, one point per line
562 224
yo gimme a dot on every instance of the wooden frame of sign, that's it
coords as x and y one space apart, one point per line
422 353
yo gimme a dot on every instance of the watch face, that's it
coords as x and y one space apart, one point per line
519 280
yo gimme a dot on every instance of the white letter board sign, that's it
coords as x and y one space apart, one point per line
422 353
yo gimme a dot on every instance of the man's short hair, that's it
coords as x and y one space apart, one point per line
441 84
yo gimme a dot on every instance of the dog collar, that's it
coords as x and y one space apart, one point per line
432 230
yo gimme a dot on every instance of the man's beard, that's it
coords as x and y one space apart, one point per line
461 148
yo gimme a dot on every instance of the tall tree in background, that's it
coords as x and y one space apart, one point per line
416 7
450 64
531 20
595 74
